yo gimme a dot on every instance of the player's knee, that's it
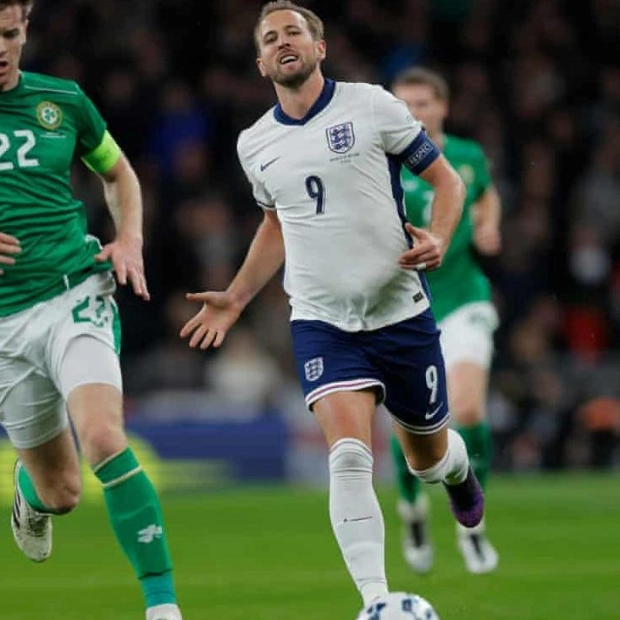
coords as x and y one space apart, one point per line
64 494
102 441
453 460
350 455
467 412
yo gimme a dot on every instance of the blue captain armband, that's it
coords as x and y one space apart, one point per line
104 156
420 154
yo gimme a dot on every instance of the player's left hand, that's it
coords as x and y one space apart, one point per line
427 252
126 257
487 239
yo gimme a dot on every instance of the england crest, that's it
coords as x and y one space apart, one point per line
313 368
340 138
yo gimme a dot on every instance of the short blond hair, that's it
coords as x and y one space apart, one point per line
315 24
415 76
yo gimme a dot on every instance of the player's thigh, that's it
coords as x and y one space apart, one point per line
84 364
90 377
467 343
467 387
413 372
346 414
339 383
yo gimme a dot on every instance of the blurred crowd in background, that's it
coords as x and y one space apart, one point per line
537 82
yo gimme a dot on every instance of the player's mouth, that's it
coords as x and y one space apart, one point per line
287 58
4 65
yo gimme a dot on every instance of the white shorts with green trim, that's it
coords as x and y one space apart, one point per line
467 334
50 349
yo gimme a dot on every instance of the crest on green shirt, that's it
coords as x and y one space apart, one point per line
49 115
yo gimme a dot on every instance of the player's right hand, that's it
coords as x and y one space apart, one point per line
9 245
210 325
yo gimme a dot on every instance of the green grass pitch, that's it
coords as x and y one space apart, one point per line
268 554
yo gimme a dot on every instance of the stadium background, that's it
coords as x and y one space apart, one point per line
537 82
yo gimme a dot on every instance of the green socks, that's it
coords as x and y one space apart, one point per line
407 485
136 517
26 486
479 448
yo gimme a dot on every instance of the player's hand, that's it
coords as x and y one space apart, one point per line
487 239
210 325
9 245
126 257
427 252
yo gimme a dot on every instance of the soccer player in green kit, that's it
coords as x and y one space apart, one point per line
59 329
461 303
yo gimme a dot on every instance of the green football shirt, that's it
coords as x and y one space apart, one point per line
44 123
459 280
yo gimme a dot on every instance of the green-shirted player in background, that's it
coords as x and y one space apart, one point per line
461 302
59 330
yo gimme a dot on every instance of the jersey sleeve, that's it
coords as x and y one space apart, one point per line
401 134
482 172
260 193
91 127
397 128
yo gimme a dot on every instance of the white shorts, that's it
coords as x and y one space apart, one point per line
467 334
48 350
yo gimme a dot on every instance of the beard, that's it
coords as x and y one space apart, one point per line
294 80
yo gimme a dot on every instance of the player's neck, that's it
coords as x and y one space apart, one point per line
296 102
11 83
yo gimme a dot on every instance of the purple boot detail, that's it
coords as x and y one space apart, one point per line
466 500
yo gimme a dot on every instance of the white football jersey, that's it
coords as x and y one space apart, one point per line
334 180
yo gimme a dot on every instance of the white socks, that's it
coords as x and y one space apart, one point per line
452 468
356 516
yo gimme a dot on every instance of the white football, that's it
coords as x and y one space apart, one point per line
399 606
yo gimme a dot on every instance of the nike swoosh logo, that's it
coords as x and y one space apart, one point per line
431 414
358 519
266 165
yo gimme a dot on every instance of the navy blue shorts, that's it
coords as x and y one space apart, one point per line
403 362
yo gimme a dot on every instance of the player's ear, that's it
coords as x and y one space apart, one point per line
261 67
445 109
321 49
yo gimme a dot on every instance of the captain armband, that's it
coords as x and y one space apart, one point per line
420 154
104 157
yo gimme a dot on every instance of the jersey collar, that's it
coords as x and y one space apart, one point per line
318 106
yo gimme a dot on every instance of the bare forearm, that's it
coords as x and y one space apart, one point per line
447 209
489 209
124 200
264 258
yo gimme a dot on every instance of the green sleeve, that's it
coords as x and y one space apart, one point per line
482 173
91 125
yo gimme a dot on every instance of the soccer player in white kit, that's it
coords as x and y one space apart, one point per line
324 165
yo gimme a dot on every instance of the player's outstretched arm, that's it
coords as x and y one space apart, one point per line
487 217
124 199
447 207
9 246
220 310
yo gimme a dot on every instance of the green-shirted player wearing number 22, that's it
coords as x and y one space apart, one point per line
59 330
461 303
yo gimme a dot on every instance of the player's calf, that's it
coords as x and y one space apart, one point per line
454 471
32 530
